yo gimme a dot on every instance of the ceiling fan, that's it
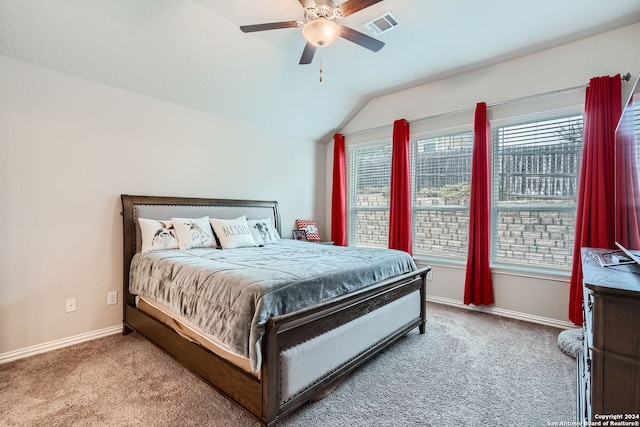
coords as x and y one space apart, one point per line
319 27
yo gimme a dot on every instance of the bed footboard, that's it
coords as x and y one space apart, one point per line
309 350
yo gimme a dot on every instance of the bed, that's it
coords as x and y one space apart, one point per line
285 353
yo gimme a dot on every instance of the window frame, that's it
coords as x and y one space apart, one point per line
415 138
537 116
351 210
508 113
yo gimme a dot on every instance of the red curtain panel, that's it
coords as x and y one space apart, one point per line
478 287
339 194
400 236
595 212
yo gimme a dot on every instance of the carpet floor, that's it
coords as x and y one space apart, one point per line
468 369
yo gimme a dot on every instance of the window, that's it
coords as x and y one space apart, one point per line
441 169
369 184
535 175
636 129
535 186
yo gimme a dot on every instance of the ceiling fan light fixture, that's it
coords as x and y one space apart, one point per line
321 32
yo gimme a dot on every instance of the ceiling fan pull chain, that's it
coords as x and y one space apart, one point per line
320 71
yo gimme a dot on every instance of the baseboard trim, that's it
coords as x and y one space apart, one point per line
58 344
77 339
547 321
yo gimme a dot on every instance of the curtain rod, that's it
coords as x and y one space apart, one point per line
626 77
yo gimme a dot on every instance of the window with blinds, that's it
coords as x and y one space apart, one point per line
535 188
441 169
636 129
369 184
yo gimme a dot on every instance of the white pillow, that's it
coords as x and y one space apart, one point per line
193 232
233 233
157 235
263 232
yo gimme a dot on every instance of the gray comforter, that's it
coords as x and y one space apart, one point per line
231 293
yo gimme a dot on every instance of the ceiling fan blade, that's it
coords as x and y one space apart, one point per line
361 39
269 26
352 6
307 54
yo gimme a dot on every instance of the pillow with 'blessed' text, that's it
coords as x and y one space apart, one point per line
233 233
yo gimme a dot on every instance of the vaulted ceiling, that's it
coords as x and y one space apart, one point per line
192 53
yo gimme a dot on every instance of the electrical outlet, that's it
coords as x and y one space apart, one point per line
430 275
112 297
70 305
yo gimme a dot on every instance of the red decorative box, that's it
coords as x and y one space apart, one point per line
310 226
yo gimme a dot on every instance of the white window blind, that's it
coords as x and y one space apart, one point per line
636 128
535 186
441 170
369 184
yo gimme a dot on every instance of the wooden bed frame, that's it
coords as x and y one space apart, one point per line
260 395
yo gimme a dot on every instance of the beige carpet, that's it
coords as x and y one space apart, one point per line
469 369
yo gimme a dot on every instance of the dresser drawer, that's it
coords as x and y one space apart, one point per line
620 318
619 377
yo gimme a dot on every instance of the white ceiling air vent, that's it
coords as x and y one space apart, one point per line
382 24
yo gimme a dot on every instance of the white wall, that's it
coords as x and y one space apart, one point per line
69 148
541 298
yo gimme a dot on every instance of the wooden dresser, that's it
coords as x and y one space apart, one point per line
609 370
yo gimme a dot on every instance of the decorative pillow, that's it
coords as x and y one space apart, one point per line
263 232
310 226
233 233
157 235
193 232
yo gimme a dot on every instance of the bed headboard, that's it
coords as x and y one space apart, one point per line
163 208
